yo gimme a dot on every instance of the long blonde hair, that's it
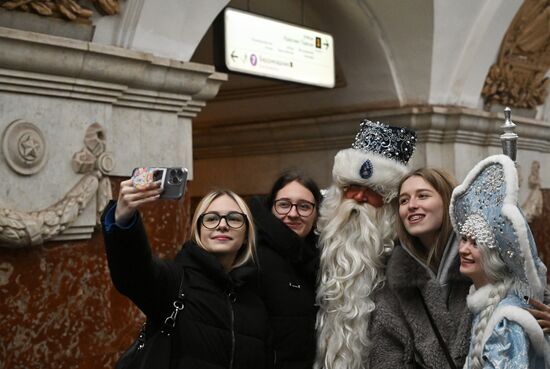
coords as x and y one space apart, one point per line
443 183
245 253
501 277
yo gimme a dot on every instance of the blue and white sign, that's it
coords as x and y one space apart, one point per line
270 48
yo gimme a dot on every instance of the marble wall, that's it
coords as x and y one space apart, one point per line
58 306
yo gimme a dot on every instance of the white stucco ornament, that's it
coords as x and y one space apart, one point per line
24 147
21 229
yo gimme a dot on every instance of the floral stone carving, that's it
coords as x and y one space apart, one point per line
518 79
20 229
67 9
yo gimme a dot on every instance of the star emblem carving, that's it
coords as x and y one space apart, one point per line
29 147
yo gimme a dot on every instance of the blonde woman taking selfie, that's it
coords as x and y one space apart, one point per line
222 323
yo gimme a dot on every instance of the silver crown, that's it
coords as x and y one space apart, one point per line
395 143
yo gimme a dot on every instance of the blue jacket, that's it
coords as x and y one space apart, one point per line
513 338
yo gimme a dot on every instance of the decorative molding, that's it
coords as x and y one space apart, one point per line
69 10
518 79
24 147
93 156
433 124
118 95
136 79
21 229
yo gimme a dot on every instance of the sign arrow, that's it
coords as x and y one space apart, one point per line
326 45
233 55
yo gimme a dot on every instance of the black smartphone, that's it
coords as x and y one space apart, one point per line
173 180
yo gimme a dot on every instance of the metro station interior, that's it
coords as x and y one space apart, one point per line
90 94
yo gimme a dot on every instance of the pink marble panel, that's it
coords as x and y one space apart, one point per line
58 307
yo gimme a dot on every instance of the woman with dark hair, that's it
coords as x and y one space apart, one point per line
288 263
223 322
423 283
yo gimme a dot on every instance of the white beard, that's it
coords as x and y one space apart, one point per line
354 242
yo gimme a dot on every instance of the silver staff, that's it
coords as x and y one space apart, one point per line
509 139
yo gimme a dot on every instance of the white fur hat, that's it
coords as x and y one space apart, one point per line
377 159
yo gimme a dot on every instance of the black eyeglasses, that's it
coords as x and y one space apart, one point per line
234 219
284 206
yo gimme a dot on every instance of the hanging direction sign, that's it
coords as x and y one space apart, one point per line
270 48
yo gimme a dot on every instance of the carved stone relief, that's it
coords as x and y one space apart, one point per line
532 207
66 9
517 78
20 229
24 147
93 157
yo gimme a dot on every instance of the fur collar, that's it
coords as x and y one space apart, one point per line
477 299
404 271
522 317
511 308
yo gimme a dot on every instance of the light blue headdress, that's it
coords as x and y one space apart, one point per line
485 206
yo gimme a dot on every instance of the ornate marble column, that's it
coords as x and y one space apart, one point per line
52 90
77 113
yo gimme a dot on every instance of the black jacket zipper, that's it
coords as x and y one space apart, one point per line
230 300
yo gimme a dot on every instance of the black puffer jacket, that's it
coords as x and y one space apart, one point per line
288 270
224 323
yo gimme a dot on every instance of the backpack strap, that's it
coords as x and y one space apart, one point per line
436 331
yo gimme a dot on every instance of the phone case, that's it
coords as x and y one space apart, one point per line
173 180
141 177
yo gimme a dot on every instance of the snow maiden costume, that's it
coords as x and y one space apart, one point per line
485 208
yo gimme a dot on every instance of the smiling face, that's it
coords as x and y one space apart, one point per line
421 210
470 262
223 241
296 193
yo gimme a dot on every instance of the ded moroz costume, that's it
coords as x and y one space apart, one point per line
357 233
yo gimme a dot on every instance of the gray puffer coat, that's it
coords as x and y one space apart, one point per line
400 332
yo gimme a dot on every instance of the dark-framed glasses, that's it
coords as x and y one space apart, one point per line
234 219
284 206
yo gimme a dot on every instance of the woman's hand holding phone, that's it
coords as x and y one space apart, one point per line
131 197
